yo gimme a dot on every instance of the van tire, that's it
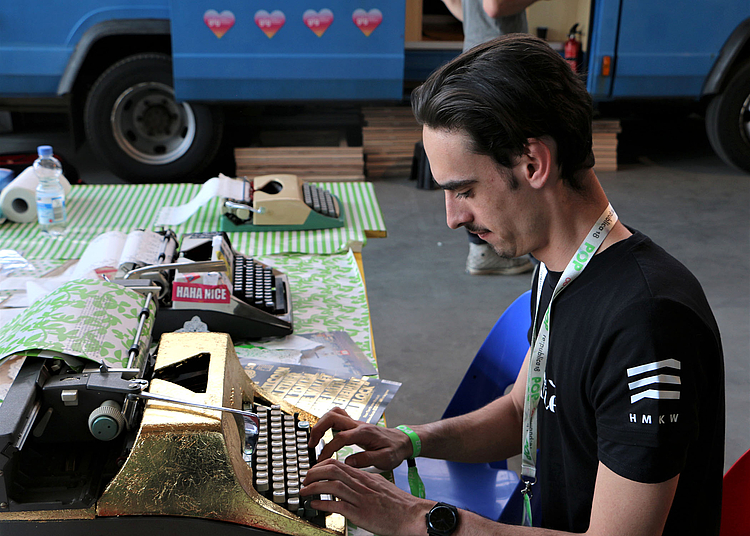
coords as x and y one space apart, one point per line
140 132
728 120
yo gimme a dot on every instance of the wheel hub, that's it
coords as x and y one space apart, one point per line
158 120
150 126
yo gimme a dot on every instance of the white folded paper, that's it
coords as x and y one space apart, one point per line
221 186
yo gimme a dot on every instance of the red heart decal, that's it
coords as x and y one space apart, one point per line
218 23
318 22
367 21
270 23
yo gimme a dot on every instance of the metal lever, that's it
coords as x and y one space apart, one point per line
241 206
251 420
164 398
198 266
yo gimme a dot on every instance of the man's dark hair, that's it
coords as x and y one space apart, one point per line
505 91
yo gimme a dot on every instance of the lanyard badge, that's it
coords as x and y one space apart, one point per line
540 348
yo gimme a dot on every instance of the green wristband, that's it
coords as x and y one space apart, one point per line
416 443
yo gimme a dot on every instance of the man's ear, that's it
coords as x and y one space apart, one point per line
538 162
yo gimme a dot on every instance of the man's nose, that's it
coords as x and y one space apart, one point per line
456 214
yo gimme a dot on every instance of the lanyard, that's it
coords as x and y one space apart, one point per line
540 341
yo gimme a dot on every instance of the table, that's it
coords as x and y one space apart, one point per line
95 209
324 267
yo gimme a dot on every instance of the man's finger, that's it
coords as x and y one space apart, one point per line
339 441
368 459
335 507
336 419
330 469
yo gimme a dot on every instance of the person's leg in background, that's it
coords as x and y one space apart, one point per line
483 260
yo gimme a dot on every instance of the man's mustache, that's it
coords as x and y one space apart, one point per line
476 230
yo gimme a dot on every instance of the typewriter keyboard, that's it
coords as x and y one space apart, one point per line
255 284
320 200
281 460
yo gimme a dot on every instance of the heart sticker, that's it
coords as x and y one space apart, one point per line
270 23
367 21
218 23
318 22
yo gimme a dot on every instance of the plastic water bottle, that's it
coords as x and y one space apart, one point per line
50 196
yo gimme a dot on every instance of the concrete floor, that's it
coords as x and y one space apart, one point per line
429 317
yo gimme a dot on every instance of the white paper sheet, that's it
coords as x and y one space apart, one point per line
221 186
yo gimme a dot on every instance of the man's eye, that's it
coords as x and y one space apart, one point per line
463 195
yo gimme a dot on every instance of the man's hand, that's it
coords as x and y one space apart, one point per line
367 500
384 448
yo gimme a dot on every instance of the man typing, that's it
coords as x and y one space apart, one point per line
622 338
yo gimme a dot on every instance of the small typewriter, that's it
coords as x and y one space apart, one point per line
282 203
208 286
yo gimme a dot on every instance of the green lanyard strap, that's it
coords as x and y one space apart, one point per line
540 349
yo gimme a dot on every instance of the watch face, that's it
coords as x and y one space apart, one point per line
442 519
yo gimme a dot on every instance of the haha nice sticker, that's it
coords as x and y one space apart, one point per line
270 23
218 23
367 21
318 21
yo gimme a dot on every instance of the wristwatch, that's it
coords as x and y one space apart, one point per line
442 519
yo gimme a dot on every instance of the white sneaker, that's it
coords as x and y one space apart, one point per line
483 260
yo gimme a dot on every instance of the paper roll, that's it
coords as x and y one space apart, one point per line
18 199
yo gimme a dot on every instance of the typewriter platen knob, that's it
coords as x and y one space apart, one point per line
106 422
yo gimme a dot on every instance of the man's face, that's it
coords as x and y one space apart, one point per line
479 194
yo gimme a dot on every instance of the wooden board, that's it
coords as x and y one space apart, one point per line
604 138
388 138
308 163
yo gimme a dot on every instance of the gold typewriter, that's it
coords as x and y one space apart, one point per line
194 449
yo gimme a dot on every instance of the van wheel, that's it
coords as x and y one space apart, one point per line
728 121
140 132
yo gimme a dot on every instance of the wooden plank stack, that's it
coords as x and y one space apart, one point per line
605 133
388 138
316 164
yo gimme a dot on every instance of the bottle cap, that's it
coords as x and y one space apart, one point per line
44 150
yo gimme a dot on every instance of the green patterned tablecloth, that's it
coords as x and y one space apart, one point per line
95 209
328 294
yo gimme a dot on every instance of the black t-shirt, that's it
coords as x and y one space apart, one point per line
634 379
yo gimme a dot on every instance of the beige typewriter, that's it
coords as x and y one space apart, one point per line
195 449
282 202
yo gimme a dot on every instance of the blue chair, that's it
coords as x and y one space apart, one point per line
483 488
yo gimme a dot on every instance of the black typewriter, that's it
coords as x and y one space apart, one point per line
185 444
207 285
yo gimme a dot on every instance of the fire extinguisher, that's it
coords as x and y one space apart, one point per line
573 49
